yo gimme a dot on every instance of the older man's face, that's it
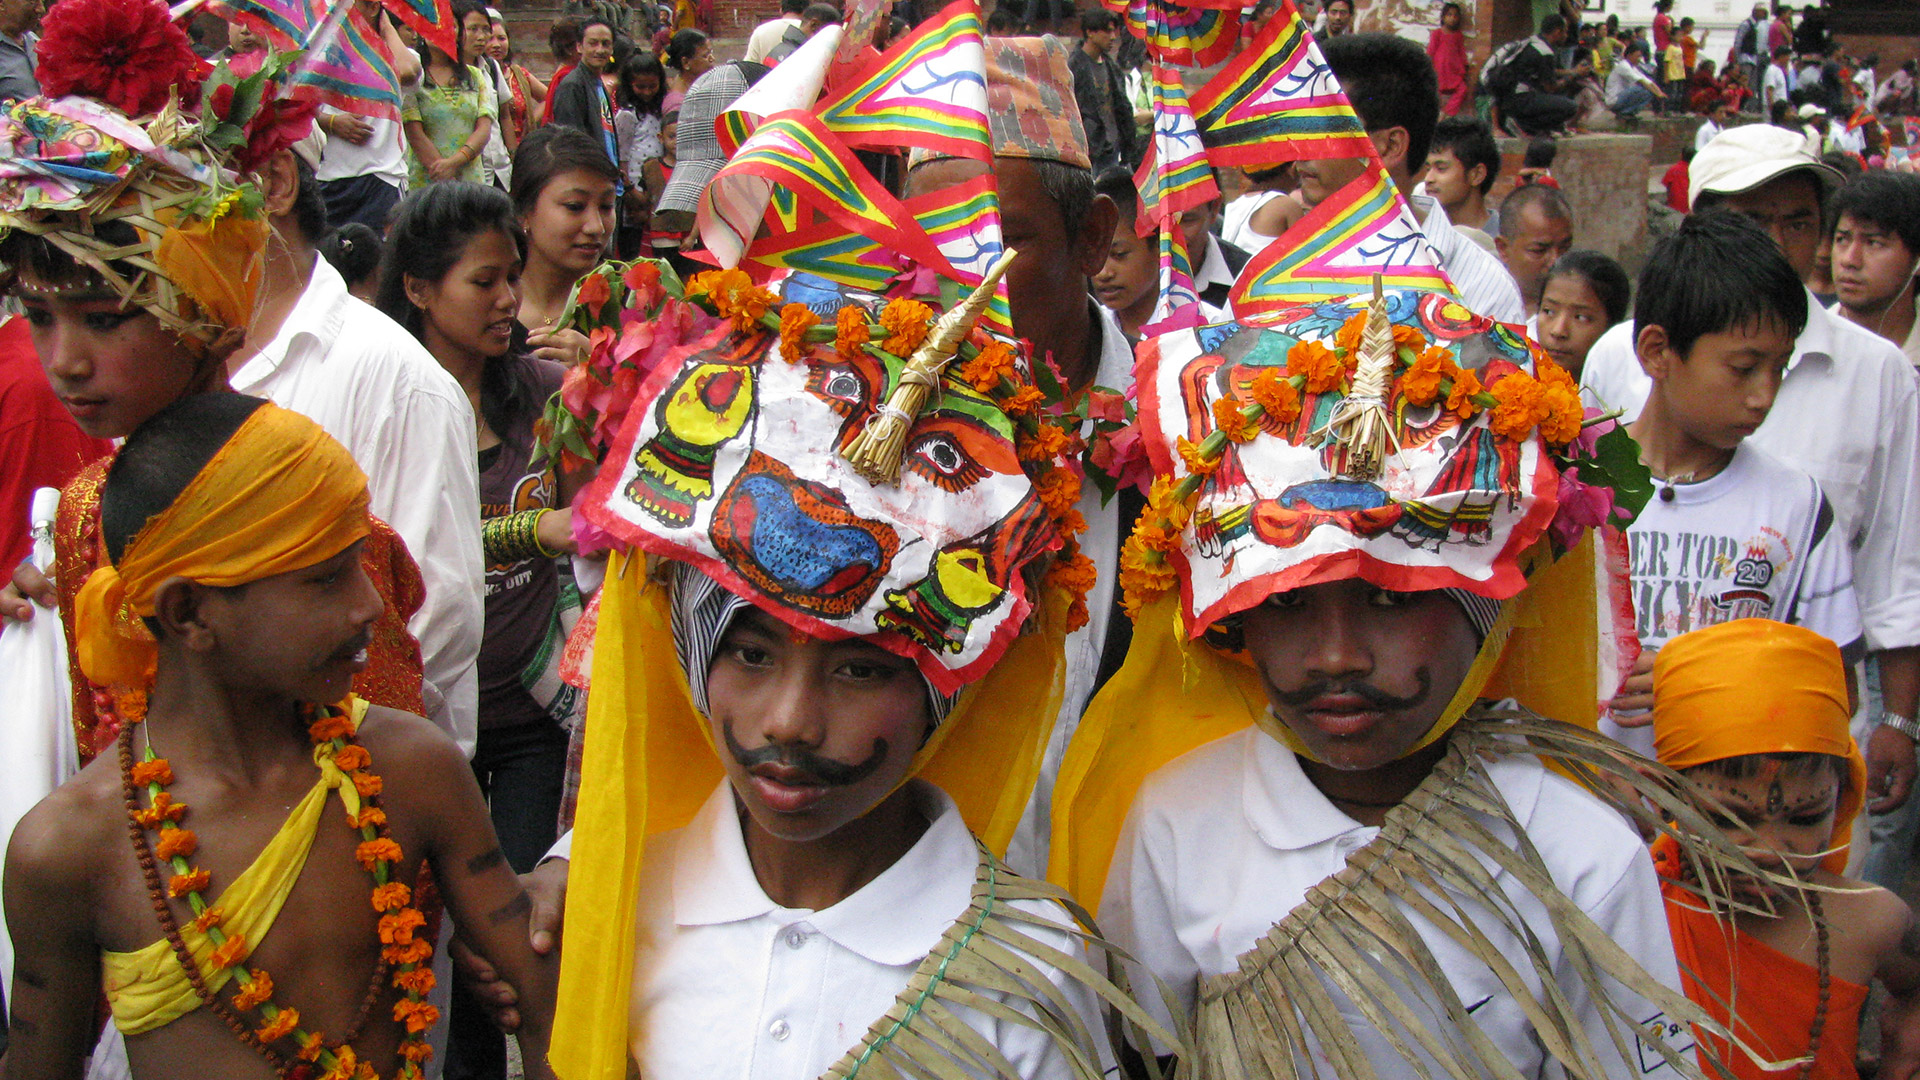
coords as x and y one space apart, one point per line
19 16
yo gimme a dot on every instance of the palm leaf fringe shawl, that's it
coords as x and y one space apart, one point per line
986 962
1351 936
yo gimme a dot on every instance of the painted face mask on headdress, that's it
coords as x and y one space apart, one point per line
1414 453
733 460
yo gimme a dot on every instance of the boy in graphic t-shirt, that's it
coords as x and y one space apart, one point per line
1732 531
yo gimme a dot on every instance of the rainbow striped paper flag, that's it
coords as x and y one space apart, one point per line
1278 101
794 150
1176 170
346 65
964 222
431 19
1183 33
1363 229
1179 305
928 90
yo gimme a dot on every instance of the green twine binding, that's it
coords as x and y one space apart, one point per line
939 975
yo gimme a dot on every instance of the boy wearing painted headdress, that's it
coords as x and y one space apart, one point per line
234 937
864 564
1333 834
1756 713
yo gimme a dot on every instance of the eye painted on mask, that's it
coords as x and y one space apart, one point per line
1421 424
939 458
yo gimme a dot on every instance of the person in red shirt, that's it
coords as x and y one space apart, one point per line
1675 180
564 40
40 444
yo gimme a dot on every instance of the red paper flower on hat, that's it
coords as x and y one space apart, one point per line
280 123
126 53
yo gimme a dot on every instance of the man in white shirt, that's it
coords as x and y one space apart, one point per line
1777 81
1394 89
331 357
1713 125
362 170
1876 251
1848 412
769 34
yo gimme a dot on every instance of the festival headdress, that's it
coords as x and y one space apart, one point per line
134 128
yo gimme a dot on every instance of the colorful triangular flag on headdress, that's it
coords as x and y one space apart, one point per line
794 83
1362 230
1278 101
928 91
346 65
1176 169
431 19
1179 305
1182 32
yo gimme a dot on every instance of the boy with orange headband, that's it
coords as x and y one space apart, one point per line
1755 712
286 942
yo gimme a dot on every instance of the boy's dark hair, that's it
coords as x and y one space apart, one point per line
1540 153
1471 140
21 250
1886 200
1096 20
309 208
821 14
354 250
427 239
563 36
792 7
1391 83
1117 184
1603 275
1718 271
1000 23
1349 3
1552 22
162 457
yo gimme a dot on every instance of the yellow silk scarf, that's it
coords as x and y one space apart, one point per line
148 989
279 496
1173 695
650 763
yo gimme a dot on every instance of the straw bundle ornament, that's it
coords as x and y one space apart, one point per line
1361 429
877 451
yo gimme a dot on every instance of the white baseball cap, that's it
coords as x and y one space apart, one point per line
1810 110
1745 157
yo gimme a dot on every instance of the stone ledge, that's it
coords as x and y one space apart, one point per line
1604 177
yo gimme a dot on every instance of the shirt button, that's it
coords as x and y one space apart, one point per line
780 1029
796 938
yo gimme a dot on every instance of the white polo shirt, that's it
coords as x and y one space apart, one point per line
1225 841
727 984
367 382
1848 412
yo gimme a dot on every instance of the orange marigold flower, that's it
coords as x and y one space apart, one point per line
416 1050
1197 463
1162 501
1059 490
344 1063
906 323
176 841
1420 384
157 771
391 896
310 1046
1069 524
367 784
1275 393
1409 337
378 850
416 1015
1520 406
208 919
1317 364
1074 572
411 953
229 952
368 815
851 333
1157 534
365 1072
162 809
795 321
190 882
330 726
1043 445
418 981
279 1027
1460 399
352 758
1565 415
254 991
1347 338
993 363
1023 401
1550 373
1145 576
1232 422
398 928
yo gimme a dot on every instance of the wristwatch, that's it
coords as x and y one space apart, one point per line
1901 724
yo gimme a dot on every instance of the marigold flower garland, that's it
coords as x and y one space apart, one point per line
1547 401
408 957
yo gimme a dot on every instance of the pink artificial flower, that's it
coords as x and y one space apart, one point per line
1582 507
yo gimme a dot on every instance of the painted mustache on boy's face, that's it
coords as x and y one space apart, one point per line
814 769
1379 699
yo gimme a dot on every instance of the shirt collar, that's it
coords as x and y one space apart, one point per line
1213 268
1817 342
1116 354
1286 811
892 920
316 320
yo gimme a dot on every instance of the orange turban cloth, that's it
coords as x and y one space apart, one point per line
279 496
1755 686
